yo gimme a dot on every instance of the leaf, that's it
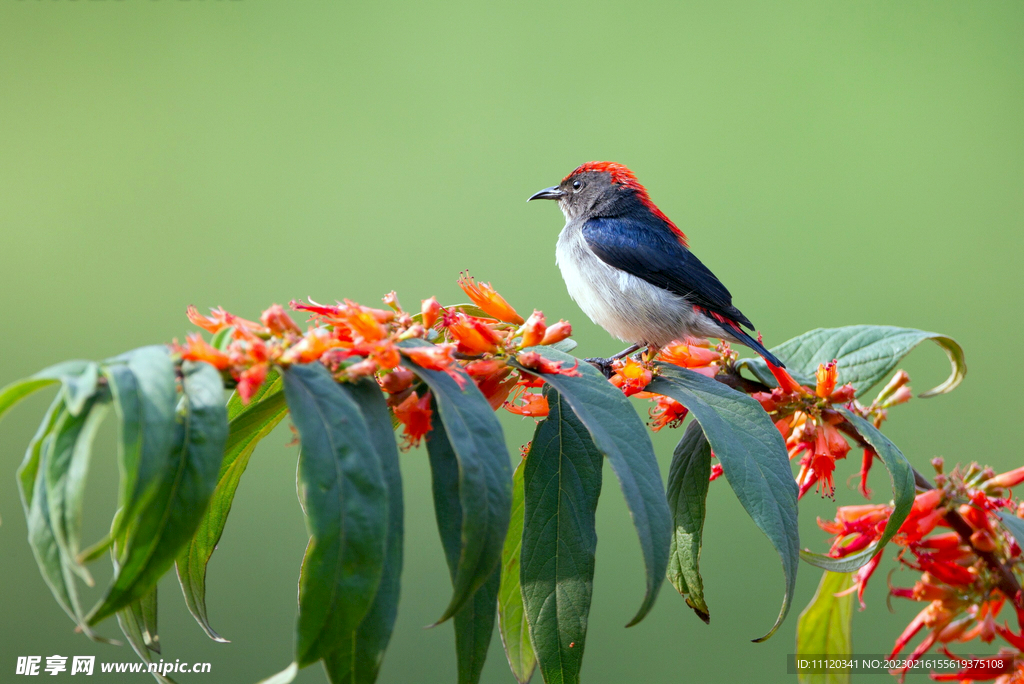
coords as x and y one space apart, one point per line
753 457
512 625
184 480
619 434
285 676
249 425
65 476
358 659
18 390
688 480
346 511
823 629
903 491
138 623
561 483
866 354
272 385
474 620
480 458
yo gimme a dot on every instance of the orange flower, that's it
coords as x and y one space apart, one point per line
1010 478
385 353
198 349
630 376
535 362
827 373
533 330
430 310
432 358
785 380
414 414
391 299
493 378
365 322
278 322
533 405
220 319
688 355
250 380
557 332
472 335
667 413
485 297
311 347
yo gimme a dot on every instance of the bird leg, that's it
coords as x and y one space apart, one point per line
605 365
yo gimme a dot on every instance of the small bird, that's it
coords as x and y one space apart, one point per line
629 267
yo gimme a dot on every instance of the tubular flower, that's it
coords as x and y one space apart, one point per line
198 349
533 330
856 527
785 380
414 413
430 311
398 380
532 404
493 378
220 319
666 413
431 357
630 376
1006 480
365 322
557 332
827 374
472 335
485 297
539 364
311 347
278 322
829 445
689 356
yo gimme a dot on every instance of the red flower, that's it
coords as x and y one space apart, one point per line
414 413
557 332
494 379
250 380
667 413
537 363
278 322
716 472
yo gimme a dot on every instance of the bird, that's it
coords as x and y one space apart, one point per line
630 269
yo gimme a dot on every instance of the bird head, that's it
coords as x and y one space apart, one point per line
604 190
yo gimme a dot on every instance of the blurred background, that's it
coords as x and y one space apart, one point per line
833 163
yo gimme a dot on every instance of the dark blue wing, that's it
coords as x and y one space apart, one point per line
653 253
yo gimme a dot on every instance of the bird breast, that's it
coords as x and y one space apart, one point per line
628 307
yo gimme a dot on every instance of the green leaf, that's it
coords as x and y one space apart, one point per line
512 625
753 457
866 354
474 620
619 434
342 485
61 372
249 425
138 624
823 629
272 385
1014 524
65 476
185 477
358 659
484 474
285 676
903 491
687 492
561 484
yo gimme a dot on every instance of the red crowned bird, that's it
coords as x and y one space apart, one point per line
629 267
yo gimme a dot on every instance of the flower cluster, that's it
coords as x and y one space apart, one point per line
954 538
353 341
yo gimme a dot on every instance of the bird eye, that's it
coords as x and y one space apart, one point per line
576 184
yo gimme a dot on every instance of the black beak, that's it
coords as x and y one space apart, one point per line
554 193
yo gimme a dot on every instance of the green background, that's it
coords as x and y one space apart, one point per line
832 162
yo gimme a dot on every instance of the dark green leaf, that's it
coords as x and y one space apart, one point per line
484 476
823 629
61 372
184 477
474 621
687 493
358 659
561 485
753 457
619 434
1014 524
248 426
866 354
903 492
345 498
512 625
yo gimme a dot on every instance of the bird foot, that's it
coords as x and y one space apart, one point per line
601 364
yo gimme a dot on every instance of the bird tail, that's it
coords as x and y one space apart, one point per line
746 339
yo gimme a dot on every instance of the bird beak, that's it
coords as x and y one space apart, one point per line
553 193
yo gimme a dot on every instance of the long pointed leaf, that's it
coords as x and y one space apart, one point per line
245 431
182 490
358 658
61 372
753 457
562 483
901 476
619 434
136 620
823 629
687 494
346 511
484 477
512 624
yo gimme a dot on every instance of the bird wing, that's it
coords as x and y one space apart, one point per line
656 256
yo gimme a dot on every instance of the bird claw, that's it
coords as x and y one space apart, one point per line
601 364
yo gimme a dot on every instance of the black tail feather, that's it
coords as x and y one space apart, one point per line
746 339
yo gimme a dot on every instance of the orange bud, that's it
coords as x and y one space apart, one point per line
535 362
899 380
1010 478
533 330
557 332
398 380
843 395
486 298
278 322
431 310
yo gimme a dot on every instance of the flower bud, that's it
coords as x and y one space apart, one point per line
557 332
397 380
826 376
899 380
391 299
533 330
278 322
430 310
